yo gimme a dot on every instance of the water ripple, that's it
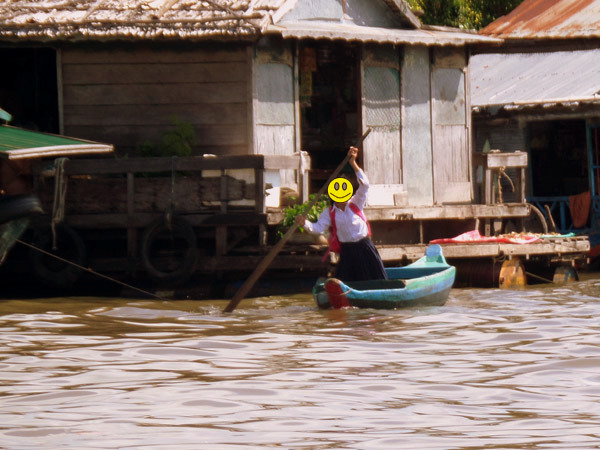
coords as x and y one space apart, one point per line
491 369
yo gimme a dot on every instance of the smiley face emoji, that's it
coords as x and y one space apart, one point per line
340 190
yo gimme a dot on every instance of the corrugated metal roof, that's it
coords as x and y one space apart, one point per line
352 32
522 79
549 19
19 143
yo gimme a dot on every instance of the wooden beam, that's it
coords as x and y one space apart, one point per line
446 212
576 247
192 163
141 220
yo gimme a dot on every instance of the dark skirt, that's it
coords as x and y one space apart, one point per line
360 261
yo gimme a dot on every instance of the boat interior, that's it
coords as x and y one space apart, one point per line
408 272
375 285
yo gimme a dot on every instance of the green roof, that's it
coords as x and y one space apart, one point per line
17 143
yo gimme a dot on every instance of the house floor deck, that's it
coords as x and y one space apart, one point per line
309 257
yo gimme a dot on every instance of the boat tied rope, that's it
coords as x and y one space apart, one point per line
60 193
87 269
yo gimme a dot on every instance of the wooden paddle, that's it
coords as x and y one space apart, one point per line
264 264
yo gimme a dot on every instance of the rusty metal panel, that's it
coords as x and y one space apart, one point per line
550 19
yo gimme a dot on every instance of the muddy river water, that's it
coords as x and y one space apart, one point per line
511 369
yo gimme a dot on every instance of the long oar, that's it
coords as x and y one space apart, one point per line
249 283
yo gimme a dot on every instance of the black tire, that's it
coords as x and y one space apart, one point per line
18 206
69 246
169 251
536 222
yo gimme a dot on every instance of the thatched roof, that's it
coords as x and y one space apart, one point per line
145 19
86 20
133 19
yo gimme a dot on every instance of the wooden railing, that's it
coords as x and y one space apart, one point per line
209 191
561 214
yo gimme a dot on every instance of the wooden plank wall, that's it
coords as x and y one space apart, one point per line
274 103
451 120
381 112
128 95
416 127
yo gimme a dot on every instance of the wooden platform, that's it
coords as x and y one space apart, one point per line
115 206
309 257
571 248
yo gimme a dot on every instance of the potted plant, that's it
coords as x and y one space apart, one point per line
301 236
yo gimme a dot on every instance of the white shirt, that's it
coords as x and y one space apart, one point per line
350 227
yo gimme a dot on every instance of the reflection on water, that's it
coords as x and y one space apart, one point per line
493 369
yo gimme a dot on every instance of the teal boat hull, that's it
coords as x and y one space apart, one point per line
426 282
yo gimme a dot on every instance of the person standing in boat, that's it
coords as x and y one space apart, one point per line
358 257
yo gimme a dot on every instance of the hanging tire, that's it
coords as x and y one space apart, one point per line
536 222
69 247
169 250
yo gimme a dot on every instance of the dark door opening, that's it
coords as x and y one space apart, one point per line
559 155
329 104
559 171
28 88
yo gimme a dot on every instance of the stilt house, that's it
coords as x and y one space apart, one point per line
538 92
275 92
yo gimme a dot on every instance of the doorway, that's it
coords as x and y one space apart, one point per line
559 172
28 88
558 153
329 105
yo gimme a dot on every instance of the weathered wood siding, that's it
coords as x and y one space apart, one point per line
450 137
416 127
128 95
381 103
274 104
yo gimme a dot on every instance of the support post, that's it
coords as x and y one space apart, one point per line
260 204
221 230
303 177
131 230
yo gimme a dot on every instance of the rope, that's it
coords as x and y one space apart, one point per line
502 172
88 269
60 193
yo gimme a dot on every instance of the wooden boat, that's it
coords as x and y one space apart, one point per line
15 211
13 207
426 282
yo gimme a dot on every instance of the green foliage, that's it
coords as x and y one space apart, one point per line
468 14
477 14
438 12
313 214
178 141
